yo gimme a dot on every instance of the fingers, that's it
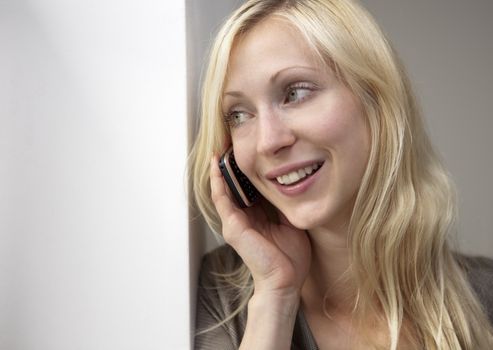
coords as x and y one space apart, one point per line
236 225
260 245
234 220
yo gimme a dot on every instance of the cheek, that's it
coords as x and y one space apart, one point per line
335 129
352 153
345 122
344 132
334 119
244 151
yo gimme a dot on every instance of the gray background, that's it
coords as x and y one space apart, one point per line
447 47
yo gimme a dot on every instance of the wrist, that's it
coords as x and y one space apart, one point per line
278 304
271 319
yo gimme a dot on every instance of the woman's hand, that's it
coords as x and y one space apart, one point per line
278 255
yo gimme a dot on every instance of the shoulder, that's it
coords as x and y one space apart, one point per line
479 272
222 290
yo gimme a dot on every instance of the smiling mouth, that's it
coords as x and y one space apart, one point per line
298 175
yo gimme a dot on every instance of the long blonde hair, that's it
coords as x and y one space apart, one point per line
405 208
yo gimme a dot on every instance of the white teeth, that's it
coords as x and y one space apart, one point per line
293 177
285 179
296 175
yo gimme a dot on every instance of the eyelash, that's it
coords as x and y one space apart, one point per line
299 86
229 117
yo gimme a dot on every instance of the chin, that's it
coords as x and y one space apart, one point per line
306 220
311 217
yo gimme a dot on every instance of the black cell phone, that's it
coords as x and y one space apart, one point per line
242 189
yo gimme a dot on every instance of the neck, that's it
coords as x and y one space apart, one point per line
328 285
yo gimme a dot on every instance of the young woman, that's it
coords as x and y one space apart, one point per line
347 247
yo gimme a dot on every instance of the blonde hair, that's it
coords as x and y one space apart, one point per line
405 208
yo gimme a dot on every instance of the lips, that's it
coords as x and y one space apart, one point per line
296 175
296 179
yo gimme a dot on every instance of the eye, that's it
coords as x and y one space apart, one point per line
298 92
236 118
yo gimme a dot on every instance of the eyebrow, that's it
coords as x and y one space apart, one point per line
234 94
272 79
275 76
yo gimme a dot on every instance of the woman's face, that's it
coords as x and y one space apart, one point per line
298 133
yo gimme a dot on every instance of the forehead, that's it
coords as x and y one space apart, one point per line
271 45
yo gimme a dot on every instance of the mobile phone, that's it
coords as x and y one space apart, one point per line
242 189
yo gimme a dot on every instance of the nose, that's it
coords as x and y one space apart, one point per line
273 133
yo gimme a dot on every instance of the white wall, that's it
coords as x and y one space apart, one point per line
93 142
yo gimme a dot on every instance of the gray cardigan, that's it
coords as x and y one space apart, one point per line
216 301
